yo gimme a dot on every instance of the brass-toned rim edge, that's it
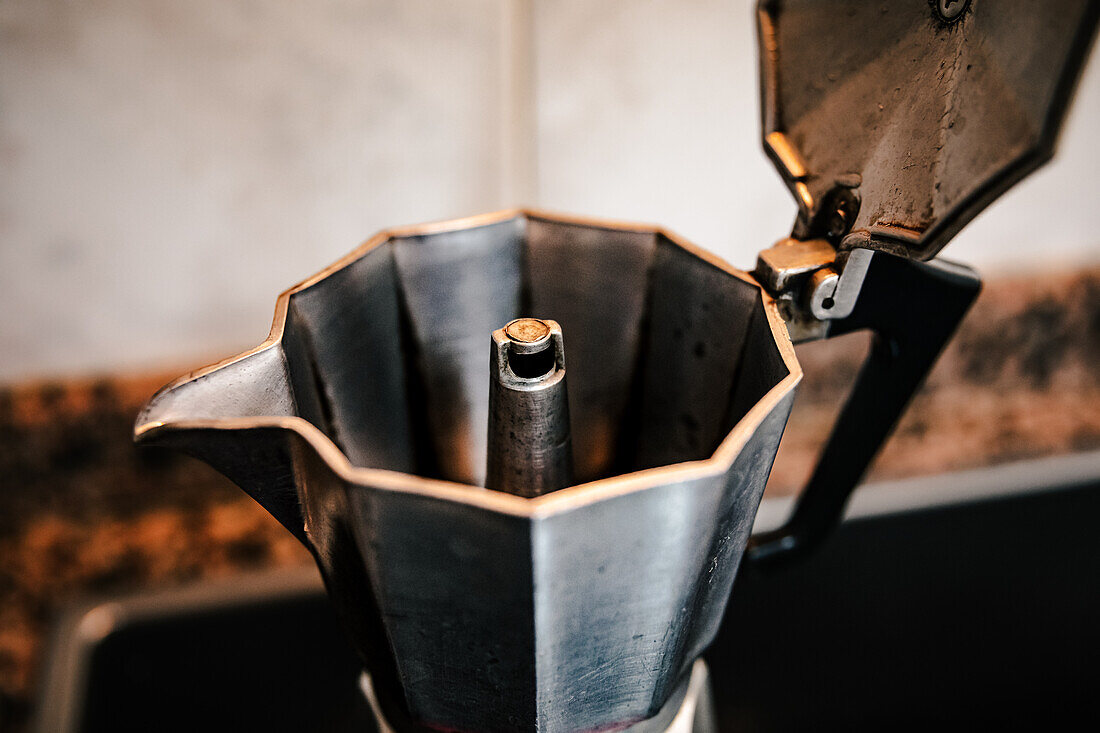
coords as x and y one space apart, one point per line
541 506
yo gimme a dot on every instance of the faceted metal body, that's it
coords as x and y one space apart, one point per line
361 425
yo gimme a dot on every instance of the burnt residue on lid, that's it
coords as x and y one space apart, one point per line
935 107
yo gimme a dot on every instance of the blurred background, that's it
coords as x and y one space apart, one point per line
167 168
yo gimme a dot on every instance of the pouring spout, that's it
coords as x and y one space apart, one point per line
255 385
212 415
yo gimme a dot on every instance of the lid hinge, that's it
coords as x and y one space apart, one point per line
812 283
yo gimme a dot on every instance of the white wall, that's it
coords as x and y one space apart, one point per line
166 168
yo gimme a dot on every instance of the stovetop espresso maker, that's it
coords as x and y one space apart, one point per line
510 549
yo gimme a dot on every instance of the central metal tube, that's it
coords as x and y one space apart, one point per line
530 447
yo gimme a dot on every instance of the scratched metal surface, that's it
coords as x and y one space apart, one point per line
935 118
360 425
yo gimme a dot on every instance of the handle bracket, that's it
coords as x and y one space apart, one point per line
912 308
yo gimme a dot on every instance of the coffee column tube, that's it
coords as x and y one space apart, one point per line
530 448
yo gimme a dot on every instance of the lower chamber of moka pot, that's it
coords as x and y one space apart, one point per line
473 609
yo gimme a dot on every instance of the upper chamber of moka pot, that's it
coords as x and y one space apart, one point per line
360 424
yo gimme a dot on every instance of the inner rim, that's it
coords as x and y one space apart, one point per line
395 346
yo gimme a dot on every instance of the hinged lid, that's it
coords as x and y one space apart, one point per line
895 122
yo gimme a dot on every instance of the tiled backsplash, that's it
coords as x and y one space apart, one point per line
169 167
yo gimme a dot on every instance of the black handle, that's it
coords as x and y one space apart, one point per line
912 308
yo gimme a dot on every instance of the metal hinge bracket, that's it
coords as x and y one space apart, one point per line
812 282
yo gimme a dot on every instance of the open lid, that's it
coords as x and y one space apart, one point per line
896 122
